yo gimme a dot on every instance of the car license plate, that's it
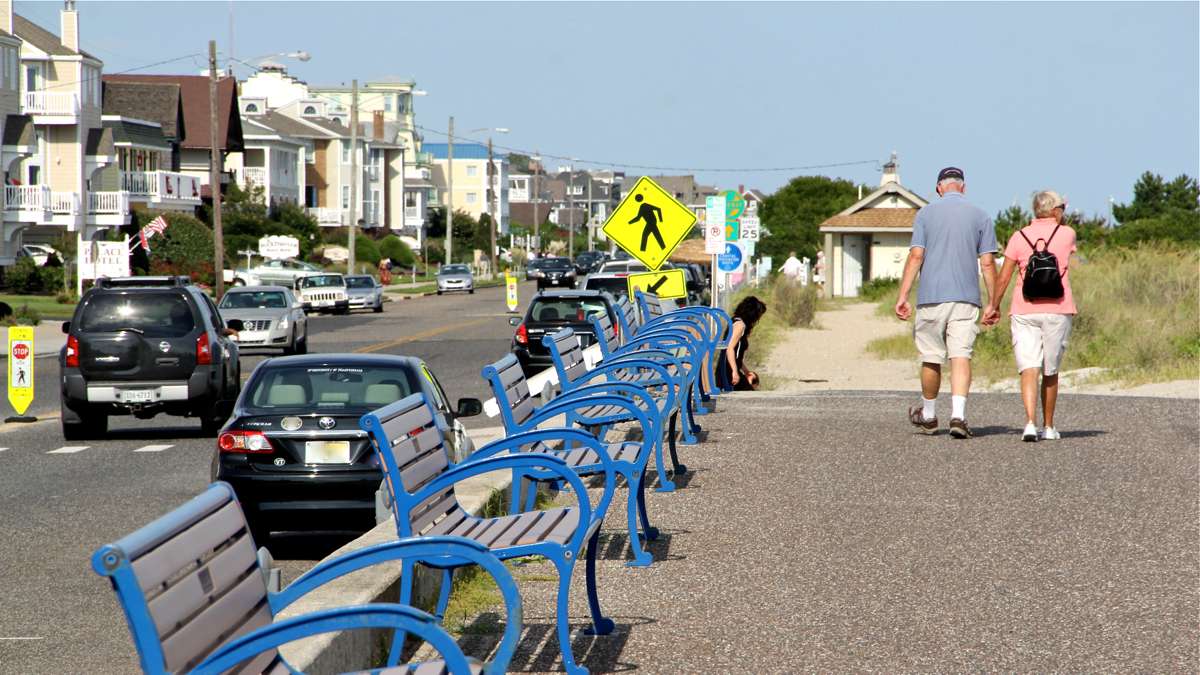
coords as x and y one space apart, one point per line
327 452
250 336
137 395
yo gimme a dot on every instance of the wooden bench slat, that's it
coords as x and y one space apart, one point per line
511 374
244 606
173 555
518 529
448 524
424 469
191 593
433 509
399 426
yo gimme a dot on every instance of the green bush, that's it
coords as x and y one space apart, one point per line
878 289
23 316
23 277
186 248
393 247
796 305
365 250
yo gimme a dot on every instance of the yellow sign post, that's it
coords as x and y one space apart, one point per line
664 283
649 223
510 296
20 371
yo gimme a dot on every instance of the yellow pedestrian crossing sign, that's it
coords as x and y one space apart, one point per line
20 368
649 223
663 283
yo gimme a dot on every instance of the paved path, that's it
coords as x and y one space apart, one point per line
819 534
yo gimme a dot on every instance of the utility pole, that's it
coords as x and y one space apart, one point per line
537 222
214 174
353 172
491 206
450 190
571 212
589 223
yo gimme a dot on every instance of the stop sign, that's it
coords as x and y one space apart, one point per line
20 351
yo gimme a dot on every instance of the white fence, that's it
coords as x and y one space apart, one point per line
50 103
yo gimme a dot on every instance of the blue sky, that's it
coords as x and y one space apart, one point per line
1079 97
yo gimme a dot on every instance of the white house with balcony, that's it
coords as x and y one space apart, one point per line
271 160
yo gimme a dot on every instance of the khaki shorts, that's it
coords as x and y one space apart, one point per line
946 329
1040 340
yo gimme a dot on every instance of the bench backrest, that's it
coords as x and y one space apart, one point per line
189 582
567 355
651 306
512 393
627 316
606 334
412 451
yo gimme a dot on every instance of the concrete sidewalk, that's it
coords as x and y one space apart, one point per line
819 533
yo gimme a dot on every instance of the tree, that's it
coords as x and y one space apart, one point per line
1009 221
794 213
394 248
299 225
1153 197
465 230
518 163
185 248
365 250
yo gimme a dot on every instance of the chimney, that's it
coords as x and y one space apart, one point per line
6 23
377 125
891 172
70 26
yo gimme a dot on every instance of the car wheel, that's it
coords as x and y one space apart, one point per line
212 421
301 346
471 292
378 308
238 282
88 426
439 291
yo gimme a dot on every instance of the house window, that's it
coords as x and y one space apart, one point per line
472 171
345 153
309 110
345 196
472 197
251 108
410 199
387 103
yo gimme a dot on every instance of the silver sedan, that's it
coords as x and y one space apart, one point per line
272 317
455 278
364 292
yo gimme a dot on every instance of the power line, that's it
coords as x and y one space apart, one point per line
74 84
647 167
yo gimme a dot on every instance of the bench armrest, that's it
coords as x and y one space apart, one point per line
377 615
604 369
601 394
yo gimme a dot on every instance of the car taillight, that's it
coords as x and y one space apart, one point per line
579 314
246 442
203 350
72 352
617 331
522 335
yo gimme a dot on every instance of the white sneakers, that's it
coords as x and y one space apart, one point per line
1031 433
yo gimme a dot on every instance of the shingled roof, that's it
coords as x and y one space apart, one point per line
151 101
193 91
43 39
873 219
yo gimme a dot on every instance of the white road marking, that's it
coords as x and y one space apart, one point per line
153 448
68 449
22 638
3 449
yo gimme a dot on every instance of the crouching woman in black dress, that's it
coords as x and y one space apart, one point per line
734 374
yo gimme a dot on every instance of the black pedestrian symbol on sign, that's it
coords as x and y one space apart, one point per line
652 215
20 377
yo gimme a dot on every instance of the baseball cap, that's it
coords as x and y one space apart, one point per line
950 172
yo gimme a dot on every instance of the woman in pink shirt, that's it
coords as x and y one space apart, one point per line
1041 325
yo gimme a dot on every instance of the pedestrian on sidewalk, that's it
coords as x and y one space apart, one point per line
952 244
733 374
792 267
1042 306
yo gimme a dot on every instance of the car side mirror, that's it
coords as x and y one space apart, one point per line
66 327
236 324
514 321
469 407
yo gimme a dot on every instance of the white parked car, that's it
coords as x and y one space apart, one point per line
324 293
39 253
275 272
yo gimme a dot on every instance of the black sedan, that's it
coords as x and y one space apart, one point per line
557 272
293 451
552 311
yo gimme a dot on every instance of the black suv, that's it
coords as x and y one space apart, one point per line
558 272
552 311
143 346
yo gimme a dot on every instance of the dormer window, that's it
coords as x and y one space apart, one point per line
310 110
251 108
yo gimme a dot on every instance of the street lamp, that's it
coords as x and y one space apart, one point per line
450 185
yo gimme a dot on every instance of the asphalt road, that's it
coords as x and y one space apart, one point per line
60 501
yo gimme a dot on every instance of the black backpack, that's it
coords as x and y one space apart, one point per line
1043 280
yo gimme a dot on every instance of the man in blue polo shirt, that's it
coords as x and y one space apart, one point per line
952 243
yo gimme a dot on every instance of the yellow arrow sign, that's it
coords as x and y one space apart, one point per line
20 368
649 223
664 283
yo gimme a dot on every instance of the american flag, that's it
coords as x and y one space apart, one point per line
152 228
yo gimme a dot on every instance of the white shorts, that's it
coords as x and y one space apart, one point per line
946 329
1040 340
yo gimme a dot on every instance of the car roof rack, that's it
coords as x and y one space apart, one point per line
142 282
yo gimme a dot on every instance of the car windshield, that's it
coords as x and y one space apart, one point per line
254 300
360 282
557 264
566 309
160 315
617 286
322 281
455 269
328 387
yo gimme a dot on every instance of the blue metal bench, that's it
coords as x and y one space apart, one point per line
421 480
663 375
196 599
596 407
712 322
